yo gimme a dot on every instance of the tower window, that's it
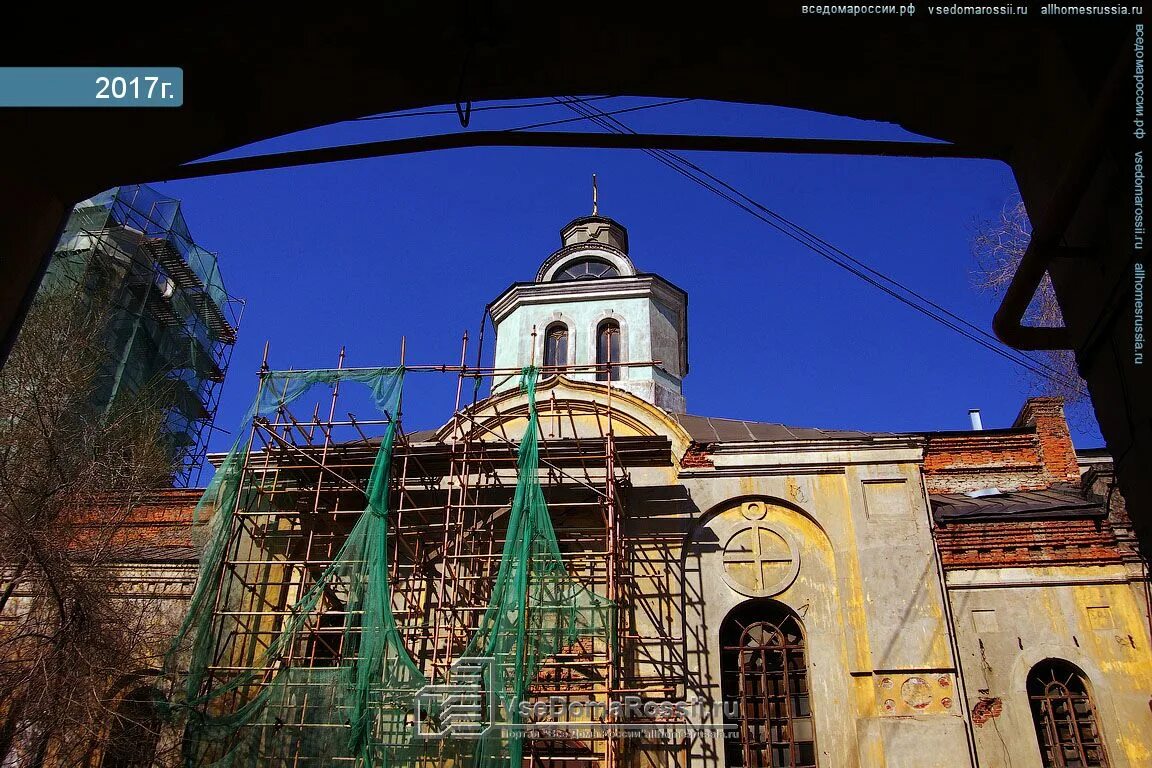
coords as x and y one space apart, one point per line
556 345
608 351
764 673
1065 717
587 269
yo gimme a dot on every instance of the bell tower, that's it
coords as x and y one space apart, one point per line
589 306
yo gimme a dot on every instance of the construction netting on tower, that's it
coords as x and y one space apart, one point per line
292 659
165 319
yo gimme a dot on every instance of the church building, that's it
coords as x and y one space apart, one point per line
697 590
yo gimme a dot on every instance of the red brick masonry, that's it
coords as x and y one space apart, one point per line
160 523
988 544
696 456
969 461
1057 452
986 709
1034 454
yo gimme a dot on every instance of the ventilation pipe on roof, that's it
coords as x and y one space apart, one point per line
974 415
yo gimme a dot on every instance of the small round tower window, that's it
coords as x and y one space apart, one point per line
587 269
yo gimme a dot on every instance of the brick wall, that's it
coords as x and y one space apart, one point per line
1099 484
987 708
967 461
1058 454
1010 544
1034 454
696 456
161 520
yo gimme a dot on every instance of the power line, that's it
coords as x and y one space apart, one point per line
821 247
815 243
621 111
490 107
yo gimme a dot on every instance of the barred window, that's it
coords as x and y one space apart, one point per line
556 345
765 674
608 350
1065 718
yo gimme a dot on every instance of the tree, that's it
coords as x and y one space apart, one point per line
998 245
66 635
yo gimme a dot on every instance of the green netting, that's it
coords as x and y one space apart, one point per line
535 609
361 710
371 694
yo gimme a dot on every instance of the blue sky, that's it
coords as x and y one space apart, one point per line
362 253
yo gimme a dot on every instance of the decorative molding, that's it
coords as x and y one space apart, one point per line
754 545
585 396
605 251
640 286
866 441
773 471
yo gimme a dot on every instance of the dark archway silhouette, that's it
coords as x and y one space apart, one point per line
1045 94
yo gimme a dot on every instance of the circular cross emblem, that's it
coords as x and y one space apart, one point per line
759 561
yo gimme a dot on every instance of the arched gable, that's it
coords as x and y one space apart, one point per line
568 409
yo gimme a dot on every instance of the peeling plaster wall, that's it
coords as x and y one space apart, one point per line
1026 590
866 589
1010 619
866 586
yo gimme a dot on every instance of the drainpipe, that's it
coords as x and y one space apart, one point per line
950 623
1046 235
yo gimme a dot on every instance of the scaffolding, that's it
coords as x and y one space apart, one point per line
450 494
167 317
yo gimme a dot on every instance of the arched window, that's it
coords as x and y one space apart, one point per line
135 730
608 350
556 345
1065 718
587 269
764 673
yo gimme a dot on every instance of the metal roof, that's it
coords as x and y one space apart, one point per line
709 429
1062 500
157 554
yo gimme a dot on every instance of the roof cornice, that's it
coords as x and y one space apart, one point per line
637 286
878 442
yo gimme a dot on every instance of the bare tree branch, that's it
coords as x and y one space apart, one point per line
998 245
69 632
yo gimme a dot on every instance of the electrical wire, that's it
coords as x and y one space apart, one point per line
824 249
621 111
452 111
